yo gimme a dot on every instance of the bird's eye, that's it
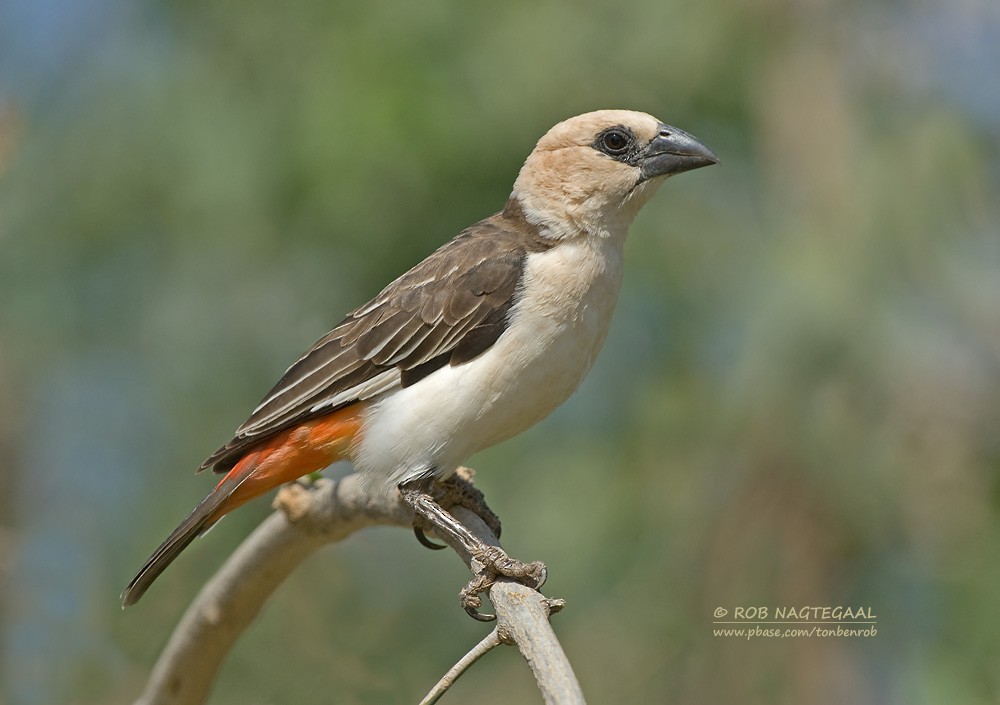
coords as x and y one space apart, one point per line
615 141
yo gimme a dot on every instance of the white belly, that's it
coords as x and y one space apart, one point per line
555 333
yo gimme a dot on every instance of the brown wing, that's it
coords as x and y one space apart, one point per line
448 309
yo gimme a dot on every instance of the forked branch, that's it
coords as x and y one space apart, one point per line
310 517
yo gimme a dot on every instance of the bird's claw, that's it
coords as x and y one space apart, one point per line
418 531
496 564
471 601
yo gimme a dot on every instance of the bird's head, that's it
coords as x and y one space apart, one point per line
592 173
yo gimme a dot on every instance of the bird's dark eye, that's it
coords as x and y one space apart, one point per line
615 141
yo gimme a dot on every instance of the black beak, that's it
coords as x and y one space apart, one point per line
674 151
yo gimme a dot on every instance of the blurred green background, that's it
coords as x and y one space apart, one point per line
798 404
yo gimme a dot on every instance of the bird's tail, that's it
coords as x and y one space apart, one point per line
289 455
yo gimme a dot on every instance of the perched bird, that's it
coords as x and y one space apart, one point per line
475 344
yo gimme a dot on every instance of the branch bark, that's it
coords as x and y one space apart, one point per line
310 517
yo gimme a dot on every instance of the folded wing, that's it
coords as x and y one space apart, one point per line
448 309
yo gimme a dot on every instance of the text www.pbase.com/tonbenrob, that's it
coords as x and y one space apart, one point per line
832 631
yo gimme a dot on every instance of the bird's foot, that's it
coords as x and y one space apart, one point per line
496 564
489 562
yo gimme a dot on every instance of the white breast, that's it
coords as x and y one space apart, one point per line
556 330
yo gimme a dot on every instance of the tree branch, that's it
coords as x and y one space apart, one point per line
310 517
523 620
491 641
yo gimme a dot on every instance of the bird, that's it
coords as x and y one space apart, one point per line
478 342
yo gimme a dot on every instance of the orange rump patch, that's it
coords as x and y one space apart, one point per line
297 451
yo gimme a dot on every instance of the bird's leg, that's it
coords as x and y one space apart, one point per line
489 562
456 490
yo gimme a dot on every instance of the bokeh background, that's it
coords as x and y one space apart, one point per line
798 404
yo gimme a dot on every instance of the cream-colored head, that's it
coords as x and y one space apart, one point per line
590 174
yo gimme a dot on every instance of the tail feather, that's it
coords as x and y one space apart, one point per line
289 455
197 523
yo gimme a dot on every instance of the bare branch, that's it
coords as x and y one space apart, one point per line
491 641
330 511
231 600
523 616
523 619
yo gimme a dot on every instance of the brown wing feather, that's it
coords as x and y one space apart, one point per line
448 309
